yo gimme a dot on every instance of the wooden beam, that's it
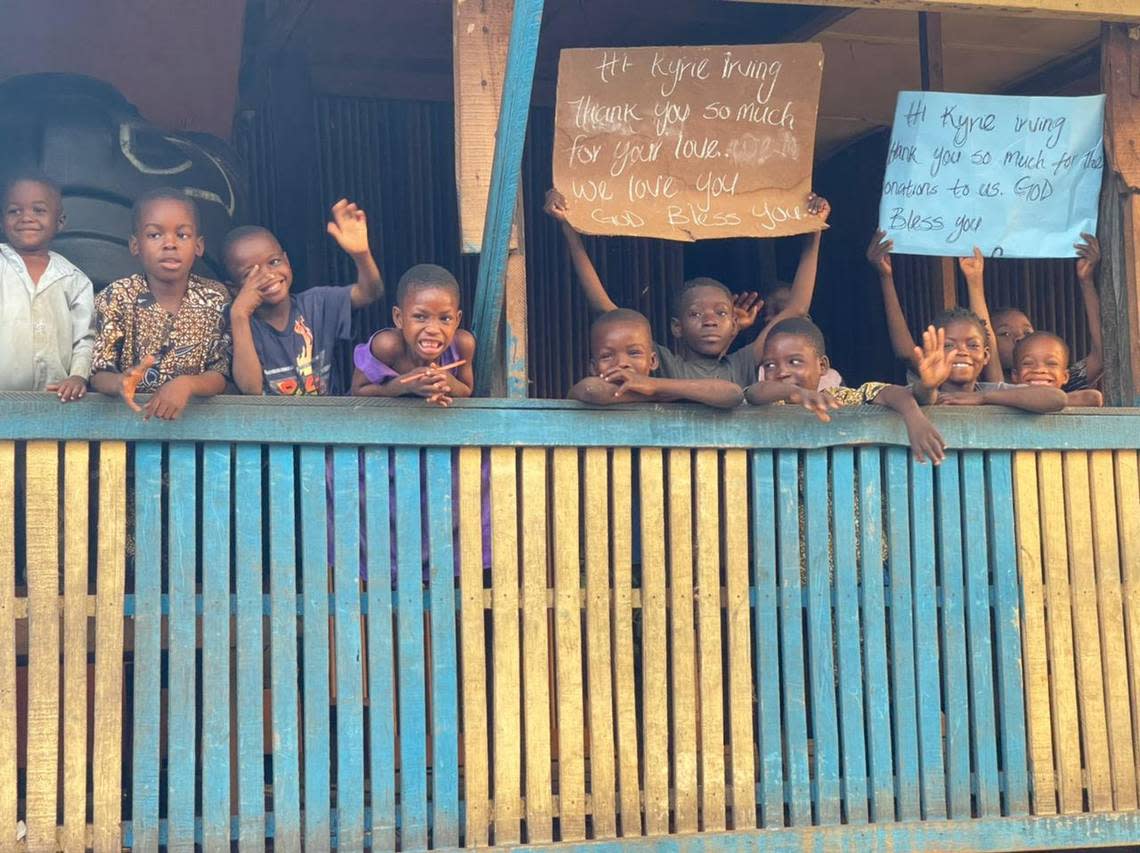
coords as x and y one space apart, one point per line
1124 11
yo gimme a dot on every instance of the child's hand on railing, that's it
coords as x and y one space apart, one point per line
816 402
628 382
71 388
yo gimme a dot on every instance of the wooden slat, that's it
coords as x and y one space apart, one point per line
875 678
1007 630
1059 632
625 689
848 636
595 509
683 676
821 661
181 698
1128 519
927 668
707 595
1086 633
536 684
794 687
476 772
955 684
75 521
1039 723
983 723
1106 547
737 612
42 526
145 719
8 789
903 677
568 644
315 644
444 690
654 655
769 746
216 507
505 635
283 648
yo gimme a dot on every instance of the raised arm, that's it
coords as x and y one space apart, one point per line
247 372
973 268
349 227
592 286
879 256
1088 256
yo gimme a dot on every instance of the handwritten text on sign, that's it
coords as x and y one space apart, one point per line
687 143
1016 176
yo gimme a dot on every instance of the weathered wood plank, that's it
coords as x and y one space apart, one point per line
1087 10
1128 518
9 796
75 521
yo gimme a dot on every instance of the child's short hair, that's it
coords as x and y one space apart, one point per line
236 235
424 277
1037 336
31 176
960 314
1005 309
162 194
800 327
619 316
682 296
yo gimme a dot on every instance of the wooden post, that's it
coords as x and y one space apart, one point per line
502 200
1119 224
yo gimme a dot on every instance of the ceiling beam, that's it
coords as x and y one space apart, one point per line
1127 11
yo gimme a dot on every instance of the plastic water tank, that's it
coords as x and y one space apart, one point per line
84 134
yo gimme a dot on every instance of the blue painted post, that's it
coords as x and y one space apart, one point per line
503 195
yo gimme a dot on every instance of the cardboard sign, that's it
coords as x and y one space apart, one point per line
688 143
1017 177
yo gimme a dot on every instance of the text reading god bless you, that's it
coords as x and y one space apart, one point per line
661 138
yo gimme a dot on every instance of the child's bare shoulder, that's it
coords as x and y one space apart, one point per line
464 343
387 345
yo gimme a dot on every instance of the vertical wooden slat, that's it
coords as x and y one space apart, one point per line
476 772
848 636
1128 519
1059 632
283 648
987 790
875 679
250 677
737 613
710 682
821 661
955 685
215 507
683 675
146 660
654 655
8 790
315 645
1086 632
444 696
536 683
792 637
595 488
903 676
1007 631
568 644
625 690
765 624
1106 546
75 521
181 559
505 634
1039 725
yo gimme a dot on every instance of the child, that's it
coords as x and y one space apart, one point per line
46 303
283 344
426 354
1041 358
794 359
622 357
706 315
954 353
163 331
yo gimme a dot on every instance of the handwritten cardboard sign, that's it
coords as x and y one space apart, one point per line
688 143
1015 176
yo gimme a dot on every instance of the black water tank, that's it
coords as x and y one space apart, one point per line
83 133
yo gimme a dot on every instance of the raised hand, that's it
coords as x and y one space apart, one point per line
816 402
817 205
931 363
973 266
879 253
555 205
250 297
1088 257
349 227
131 379
746 308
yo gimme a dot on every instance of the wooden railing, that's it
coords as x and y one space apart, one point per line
691 624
